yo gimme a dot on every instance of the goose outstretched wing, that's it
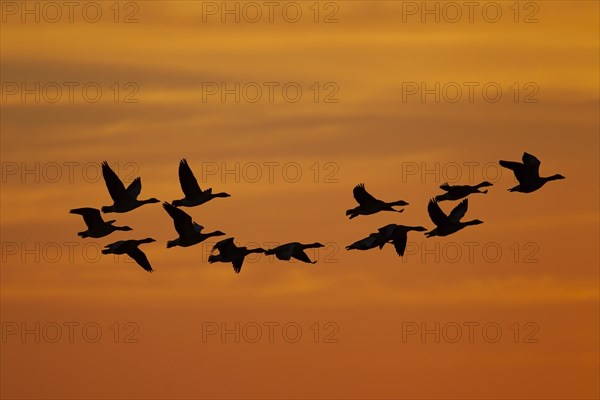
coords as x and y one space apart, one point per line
362 196
182 221
237 264
399 242
532 165
459 211
115 187
91 216
135 188
524 172
302 256
225 246
436 214
140 258
446 186
187 180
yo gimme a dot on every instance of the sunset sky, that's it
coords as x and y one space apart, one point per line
290 167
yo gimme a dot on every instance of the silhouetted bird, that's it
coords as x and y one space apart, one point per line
229 252
190 233
194 196
293 250
528 174
457 192
392 233
370 205
97 227
398 235
370 242
447 225
124 199
130 247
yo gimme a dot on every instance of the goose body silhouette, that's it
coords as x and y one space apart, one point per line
528 174
397 235
131 248
370 242
96 225
230 253
295 250
457 192
190 233
448 224
367 204
124 200
194 196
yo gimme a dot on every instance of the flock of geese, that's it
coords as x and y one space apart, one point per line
190 233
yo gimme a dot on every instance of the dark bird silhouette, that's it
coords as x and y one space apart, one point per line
229 252
528 174
457 192
370 242
130 247
370 205
293 250
123 199
190 233
397 235
97 227
194 196
447 225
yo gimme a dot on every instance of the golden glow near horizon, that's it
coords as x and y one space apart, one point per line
287 106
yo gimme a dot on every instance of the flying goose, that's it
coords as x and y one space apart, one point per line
457 192
528 174
447 225
293 250
370 242
97 227
392 233
194 196
397 235
229 252
190 233
370 205
130 247
123 199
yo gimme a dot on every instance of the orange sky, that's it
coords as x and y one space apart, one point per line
369 135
